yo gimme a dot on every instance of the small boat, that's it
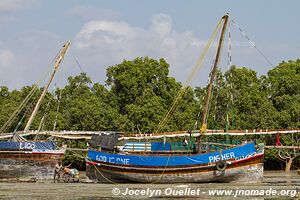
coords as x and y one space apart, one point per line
158 162
22 159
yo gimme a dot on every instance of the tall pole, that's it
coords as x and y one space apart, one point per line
212 76
211 82
58 60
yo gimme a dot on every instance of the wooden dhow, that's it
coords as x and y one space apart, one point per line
22 159
164 162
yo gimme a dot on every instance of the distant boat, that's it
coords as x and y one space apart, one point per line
22 159
163 162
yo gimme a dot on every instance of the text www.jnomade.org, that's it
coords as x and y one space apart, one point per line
148 192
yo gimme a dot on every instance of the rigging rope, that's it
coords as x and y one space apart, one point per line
107 179
171 110
42 122
24 115
213 85
58 105
81 69
19 109
80 156
196 67
212 65
252 43
229 94
163 172
7 124
229 46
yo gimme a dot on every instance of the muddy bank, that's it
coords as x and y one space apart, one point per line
273 182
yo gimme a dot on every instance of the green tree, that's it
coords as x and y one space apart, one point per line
250 103
284 90
283 87
83 108
143 92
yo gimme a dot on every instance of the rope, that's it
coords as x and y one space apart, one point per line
42 123
81 69
229 46
216 99
58 105
80 156
196 67
163 172
213 86
252 43
100 171
171 110
200 60
209 108
160 176
19 109
230 85
27 98
20 122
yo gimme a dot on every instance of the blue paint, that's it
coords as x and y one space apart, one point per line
175 160
27 145
160 146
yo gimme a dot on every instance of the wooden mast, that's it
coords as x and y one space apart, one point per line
211 81
58 60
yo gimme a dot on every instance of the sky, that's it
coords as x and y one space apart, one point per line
104 33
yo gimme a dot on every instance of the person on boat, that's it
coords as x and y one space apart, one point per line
185 142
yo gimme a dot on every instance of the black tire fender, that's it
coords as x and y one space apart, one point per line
221 165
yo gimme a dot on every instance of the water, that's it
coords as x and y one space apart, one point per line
284 185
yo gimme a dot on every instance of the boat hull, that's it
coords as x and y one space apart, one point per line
240 164
28 165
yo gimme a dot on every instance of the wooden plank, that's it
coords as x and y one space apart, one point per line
283 147
88 134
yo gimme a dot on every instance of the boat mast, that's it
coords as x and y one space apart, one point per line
58 60
212 76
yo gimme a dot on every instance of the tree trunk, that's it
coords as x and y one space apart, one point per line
288 165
